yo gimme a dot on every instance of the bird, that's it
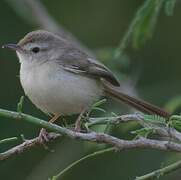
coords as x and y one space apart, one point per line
61 79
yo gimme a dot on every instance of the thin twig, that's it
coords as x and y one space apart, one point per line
59 175
161 172
8 140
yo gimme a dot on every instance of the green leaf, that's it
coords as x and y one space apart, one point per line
146 17
96 105
99 109
155 119
175 122
99 103
114 114
143 132
169 7
142 26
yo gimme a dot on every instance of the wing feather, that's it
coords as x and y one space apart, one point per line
75 61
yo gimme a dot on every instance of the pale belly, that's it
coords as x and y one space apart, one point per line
56 91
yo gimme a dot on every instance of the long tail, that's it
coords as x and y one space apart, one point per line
138 104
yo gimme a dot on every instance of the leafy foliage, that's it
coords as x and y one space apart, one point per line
143 24
169 7
175 122
143 132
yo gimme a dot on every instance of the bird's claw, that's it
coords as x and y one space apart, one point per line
43 136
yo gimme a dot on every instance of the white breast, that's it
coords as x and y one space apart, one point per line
56 91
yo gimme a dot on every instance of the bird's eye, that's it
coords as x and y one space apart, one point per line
35 49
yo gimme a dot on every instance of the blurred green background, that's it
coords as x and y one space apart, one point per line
99 25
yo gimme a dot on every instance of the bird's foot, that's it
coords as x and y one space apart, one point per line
43 138
78 121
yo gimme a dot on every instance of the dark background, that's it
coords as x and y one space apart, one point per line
97 24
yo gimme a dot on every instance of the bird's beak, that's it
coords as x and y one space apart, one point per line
14 47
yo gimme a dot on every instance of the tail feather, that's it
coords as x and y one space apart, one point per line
138 104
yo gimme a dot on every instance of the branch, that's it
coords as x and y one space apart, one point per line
160 130
117 143
161 172
114 120
27 144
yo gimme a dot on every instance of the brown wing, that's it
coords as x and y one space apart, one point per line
76 61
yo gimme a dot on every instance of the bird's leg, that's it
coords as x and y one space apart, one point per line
43 135
78 121
54 118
